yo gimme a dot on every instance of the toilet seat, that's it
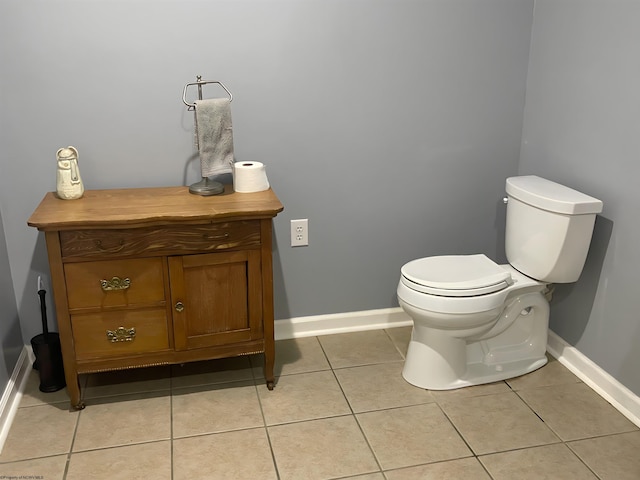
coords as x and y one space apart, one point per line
467 301
455 275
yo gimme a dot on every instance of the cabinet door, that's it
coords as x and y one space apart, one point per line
217 298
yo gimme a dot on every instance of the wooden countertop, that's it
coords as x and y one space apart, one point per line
134 207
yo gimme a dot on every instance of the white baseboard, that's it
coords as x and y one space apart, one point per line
341 323
622 399
13 393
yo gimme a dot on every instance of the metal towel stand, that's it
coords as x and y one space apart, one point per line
204 187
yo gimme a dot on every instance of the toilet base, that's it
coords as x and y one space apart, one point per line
437 361
477 373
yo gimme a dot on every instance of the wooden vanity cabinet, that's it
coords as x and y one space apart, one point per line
157 276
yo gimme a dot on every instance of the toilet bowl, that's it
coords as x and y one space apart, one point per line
469 336
475 321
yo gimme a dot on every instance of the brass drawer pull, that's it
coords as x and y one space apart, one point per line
179 307
116 283
121 334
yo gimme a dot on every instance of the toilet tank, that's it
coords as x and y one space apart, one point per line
548 228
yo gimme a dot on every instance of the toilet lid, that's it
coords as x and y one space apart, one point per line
456 275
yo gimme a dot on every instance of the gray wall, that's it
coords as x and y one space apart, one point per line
390 124
10 335
581 128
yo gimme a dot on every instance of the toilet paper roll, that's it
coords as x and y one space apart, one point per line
249 177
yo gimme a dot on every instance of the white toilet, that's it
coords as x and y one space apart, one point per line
475 321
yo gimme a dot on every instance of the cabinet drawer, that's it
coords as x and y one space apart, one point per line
162 240
142 331
115 283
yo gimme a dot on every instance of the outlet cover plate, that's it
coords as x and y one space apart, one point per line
300 232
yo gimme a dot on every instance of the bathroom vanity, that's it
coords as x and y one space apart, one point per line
157 276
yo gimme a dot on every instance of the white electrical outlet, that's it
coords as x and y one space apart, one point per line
300 232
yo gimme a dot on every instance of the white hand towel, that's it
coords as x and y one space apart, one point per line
215 136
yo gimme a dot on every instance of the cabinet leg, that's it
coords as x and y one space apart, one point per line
269 360
73 388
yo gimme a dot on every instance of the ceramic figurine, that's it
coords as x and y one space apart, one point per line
68 182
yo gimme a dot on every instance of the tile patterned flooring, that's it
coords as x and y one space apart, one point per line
340 410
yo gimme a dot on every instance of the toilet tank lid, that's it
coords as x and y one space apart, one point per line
551 196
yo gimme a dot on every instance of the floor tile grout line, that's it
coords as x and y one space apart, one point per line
517 392
402 354
559 442
537 415
28 459
484 467
476 456
353 414
366 439
518 449
604 435
566 443
73 442
355 418
295 422
453 425
534 447
195 435
171 446
266 431
370 364
395 469
106 447
326 356
580 458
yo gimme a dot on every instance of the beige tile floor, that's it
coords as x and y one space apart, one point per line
340 410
